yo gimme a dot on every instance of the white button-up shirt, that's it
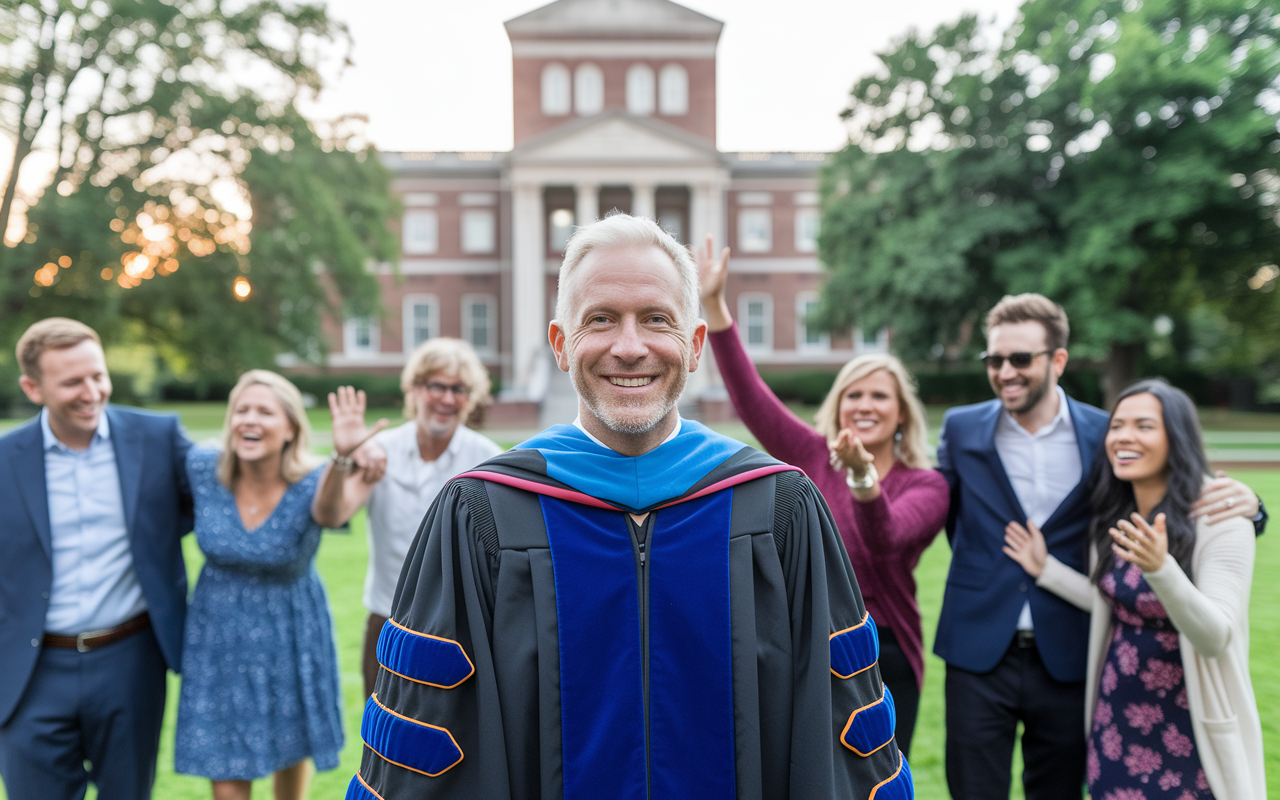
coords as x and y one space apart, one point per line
401 499
1043 468
94 582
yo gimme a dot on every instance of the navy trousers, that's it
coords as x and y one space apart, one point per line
983 712
85 717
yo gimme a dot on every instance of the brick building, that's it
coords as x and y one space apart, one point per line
615 107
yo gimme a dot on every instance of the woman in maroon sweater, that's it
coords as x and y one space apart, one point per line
868 457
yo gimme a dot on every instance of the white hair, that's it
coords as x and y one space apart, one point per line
624 230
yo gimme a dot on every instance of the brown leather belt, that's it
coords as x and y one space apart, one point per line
92 640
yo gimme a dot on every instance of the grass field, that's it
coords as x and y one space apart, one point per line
342 559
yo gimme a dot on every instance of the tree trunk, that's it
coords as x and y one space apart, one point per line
1122 368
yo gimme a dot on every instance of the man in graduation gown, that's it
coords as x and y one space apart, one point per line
632 606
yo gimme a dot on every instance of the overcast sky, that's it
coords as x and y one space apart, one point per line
436 74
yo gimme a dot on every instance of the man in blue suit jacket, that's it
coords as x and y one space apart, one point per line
1015 652
93 592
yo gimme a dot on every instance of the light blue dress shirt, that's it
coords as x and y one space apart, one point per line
94 582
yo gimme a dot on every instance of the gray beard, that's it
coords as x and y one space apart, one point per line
628 425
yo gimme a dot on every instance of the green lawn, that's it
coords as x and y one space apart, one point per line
342 560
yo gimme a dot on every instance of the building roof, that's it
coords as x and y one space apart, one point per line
624 19
477 165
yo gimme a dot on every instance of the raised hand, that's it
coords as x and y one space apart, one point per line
848 452
1026 546
713 274
1140 543
346 408
1224 498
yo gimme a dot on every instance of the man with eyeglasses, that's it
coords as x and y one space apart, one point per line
1016 653
443 382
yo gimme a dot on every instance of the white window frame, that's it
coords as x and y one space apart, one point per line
350 334
469 234
491 322
557 95
745 321
806 218
407 306
673 91
588 90
749 218
641 90
823 345
414 247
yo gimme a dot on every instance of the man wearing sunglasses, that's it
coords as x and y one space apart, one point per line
1015 653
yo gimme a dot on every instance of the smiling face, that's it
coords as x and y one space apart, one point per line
1022 390
871 409
260 427
624 345
440 409
1137 444
74 387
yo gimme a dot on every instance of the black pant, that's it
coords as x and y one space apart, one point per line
897 674
983 712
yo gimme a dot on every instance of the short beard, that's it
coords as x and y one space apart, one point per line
611 419
1035 392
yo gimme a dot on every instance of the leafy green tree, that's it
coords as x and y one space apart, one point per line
1117 155
168 121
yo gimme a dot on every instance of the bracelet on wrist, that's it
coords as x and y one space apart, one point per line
865 482
345 464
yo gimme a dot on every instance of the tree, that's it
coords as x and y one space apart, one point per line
192 205
1117 155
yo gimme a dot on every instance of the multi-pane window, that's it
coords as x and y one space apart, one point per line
755 318
421 319
588 90
555 90
640 89
479 318
673 90
421 235
755 230
807 230
477 230
360 336
809 338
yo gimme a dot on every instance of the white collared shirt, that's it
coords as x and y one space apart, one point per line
401 499
94 582
1043 468
577 423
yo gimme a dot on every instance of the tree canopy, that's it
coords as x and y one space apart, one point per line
1119 156
190 206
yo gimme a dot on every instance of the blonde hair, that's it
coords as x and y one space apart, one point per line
624 230
56 333
296 461
912 448
444 354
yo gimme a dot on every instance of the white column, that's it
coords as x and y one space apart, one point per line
529 282
588 203
707 215
642 201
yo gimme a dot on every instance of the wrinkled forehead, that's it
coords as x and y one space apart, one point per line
626 275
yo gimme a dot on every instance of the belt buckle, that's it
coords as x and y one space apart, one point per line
80 642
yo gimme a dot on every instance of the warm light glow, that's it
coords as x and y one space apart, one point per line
107 274
158 234
64 262
136 264
242 289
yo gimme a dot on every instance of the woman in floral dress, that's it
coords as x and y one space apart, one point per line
1170 708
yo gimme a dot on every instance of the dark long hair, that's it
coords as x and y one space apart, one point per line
1112 498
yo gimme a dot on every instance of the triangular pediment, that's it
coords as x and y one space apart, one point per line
626 18
615 137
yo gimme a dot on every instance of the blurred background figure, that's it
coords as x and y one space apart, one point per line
1170 706
260 690
868 457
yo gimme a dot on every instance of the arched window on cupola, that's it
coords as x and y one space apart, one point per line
640 89
555 90
588 90
673 91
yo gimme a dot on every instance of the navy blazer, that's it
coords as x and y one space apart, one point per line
985 588
151 453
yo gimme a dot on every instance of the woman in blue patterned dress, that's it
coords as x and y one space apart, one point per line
260 687
1170 707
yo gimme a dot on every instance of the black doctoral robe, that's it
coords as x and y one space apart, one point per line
544 645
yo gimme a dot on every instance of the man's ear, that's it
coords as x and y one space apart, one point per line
1059 361
32 390
559 345
698 342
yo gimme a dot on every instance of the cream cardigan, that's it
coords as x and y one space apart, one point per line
1212 617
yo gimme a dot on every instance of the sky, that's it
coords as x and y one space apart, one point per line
436 74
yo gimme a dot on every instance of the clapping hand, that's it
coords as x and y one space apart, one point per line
847 452
1142 544
1026 546
346 408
